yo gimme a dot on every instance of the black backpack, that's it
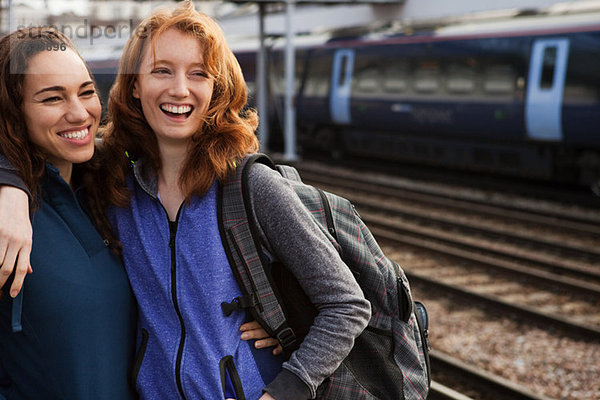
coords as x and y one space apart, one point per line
390 358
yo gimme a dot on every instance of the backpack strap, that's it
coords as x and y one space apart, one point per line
291 173
241 240
288 172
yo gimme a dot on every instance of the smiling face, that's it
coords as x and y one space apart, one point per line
173 87
61 108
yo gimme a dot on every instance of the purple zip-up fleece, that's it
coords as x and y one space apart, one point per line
180 275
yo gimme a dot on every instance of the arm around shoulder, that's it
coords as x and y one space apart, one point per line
10 178
15 227
15 236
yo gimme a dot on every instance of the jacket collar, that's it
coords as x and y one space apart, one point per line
146 177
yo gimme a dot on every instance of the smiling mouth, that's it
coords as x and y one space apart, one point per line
177 111
77 135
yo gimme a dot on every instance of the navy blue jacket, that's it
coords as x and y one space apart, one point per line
74 337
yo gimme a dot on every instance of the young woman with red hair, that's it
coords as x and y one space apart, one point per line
178 124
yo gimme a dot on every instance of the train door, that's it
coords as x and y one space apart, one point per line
341 85
543 106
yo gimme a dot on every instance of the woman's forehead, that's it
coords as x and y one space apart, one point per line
63 69
62 62
174 45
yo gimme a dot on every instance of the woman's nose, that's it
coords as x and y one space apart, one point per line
180 86
77 112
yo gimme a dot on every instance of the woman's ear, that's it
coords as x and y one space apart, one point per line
135 92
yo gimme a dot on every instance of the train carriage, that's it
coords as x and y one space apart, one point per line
520 101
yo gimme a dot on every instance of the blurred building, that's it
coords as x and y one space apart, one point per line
240 17
333 15
98 27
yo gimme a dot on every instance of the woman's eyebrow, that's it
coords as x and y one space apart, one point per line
61 88
50 89
168 62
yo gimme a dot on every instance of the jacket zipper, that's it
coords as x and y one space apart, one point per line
172 234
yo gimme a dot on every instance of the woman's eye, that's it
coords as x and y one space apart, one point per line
51 99
89 92
201 73
160 71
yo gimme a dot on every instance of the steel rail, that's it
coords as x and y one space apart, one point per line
492 385
448 200
561 270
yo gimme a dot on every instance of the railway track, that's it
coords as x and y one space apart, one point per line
510 257
573 194
473 201
501 262
476 382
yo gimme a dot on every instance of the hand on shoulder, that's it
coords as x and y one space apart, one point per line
15 237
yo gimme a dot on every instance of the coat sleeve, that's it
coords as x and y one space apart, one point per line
9 176
343 312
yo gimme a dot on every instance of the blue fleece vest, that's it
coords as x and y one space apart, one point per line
180 276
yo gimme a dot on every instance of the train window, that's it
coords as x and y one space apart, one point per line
317 77
316 86
547 79
299 70
577 93
582 83
395 77
427 78
277 77
342 74
499 79
460 79
277 84
367 80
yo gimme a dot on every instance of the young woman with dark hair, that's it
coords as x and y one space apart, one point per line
70 333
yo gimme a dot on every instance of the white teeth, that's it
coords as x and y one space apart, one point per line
75 135
176 109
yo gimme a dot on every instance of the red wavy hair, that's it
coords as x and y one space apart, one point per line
227 134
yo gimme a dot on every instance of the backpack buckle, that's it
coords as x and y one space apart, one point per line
287 338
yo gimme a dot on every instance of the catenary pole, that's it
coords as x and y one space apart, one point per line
262 100
290 64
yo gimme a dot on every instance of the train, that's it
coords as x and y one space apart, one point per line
519 97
